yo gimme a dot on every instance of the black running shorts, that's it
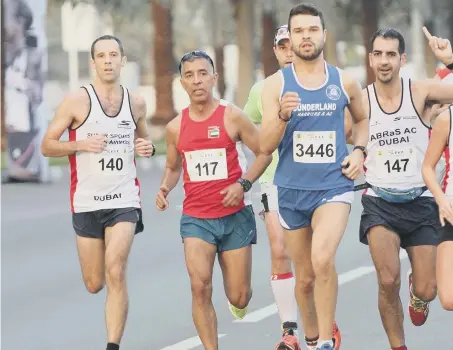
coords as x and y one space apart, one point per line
446 233
416 223
92 224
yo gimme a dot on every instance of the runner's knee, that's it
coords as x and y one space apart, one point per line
115 275
323 263
389 281
305 284
201 289
278 251
94 284
426 290
241 297
446 300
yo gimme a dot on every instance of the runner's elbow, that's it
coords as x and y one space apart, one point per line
45 148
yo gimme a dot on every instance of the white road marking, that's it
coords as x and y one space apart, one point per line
344 278
187 344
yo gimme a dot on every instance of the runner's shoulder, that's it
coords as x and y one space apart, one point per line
174 125
77 102
273 82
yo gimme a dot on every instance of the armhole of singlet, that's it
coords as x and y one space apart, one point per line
126 93
409 87
369 102
450 109
342 85
89 110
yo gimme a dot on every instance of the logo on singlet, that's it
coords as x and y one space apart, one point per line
213 132
333 92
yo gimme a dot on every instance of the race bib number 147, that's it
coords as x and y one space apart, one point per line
314 147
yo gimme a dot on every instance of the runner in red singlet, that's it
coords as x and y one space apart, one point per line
205 141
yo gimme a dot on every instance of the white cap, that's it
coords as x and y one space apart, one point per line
281 34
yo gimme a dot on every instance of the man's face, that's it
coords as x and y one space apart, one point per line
108 61
385 59
198 79
307 36
284 53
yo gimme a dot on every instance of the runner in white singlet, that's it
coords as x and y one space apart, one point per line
398 210
107 127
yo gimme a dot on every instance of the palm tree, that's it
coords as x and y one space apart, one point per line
244 16
163 61
268 25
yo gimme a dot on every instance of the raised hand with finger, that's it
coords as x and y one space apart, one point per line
440 47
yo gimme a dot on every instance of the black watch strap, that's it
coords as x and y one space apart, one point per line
450 66
362 148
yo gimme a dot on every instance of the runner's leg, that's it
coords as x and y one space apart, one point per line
329 223
384 248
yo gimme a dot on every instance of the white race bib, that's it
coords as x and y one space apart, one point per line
396 162
115 159
207 164
108 163
314 146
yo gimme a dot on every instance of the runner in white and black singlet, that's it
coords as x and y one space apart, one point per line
107 126
398 210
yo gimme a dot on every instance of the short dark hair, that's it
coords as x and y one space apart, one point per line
306 9
107 37
193 55
390 33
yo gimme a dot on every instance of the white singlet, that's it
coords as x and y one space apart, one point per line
446 183
106 180
397 144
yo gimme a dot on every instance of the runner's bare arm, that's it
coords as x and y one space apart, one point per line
357 109
139 111
65 115
434 90
249 134
173 167
437 143
272 127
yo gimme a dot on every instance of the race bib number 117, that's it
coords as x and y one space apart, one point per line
314 147
207 165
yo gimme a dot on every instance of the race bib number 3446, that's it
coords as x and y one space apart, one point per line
207 165
314 147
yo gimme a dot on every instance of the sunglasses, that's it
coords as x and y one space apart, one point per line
195 54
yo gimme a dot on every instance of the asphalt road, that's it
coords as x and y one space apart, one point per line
45 305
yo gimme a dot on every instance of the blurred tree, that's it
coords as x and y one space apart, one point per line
244 16
163 61
367 14
218 41
268 25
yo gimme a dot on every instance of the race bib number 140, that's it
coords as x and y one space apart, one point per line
207 165
314 147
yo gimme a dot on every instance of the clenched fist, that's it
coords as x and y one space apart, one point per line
289 102
94 144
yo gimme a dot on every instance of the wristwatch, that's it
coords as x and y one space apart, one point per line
246 184
363 149
450 66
